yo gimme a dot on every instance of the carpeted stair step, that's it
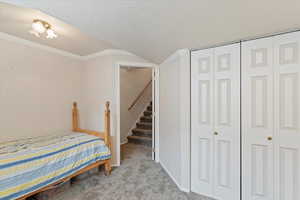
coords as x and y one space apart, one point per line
146 119
142 132
147 113
149 108
140 140
144 125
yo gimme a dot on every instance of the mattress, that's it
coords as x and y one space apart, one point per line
30 164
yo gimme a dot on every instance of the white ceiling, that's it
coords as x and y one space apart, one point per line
17 21
154 29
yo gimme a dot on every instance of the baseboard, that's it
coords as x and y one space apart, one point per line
125 142
185 190
173 179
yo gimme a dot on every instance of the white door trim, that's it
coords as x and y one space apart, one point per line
116 105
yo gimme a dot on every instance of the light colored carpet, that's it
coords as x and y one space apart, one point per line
138 178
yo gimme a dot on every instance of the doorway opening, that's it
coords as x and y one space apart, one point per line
137 106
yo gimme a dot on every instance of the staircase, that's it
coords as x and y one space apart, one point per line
142 134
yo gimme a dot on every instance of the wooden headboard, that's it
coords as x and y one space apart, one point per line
103 135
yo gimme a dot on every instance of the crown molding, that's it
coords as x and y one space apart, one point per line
107 52
7 37
176 55
173 57
183 52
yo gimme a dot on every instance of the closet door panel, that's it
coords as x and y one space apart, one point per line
202 69
257 119
227 122
287 119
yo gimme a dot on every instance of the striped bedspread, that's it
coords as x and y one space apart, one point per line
30 164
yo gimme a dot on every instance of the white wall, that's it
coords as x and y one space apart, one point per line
99 85
37 89
38 85
174 123
132 82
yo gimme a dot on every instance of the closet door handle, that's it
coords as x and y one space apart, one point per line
216 133
270 138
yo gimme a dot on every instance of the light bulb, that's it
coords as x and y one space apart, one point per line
51 34
38 27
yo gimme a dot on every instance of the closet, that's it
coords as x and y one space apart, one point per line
215 138
245 120
270 118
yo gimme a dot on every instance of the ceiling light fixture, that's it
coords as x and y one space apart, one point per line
39 27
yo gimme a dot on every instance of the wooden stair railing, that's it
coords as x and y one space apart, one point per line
140 95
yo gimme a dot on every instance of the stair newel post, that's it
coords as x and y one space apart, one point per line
75 118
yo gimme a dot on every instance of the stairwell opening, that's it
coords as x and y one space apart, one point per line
136 108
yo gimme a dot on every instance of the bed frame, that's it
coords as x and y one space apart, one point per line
76 128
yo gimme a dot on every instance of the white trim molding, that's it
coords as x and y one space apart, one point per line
116 101
10 38
106 52
125 142
173 179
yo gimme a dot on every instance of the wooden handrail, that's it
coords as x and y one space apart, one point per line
140 95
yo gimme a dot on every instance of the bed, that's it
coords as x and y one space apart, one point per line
33 165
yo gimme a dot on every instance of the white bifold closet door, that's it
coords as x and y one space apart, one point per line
215 142
270 118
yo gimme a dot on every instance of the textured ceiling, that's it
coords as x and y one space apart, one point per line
154 29
17 21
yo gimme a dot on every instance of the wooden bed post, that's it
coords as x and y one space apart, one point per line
75 118
107 125
103 135
107 136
